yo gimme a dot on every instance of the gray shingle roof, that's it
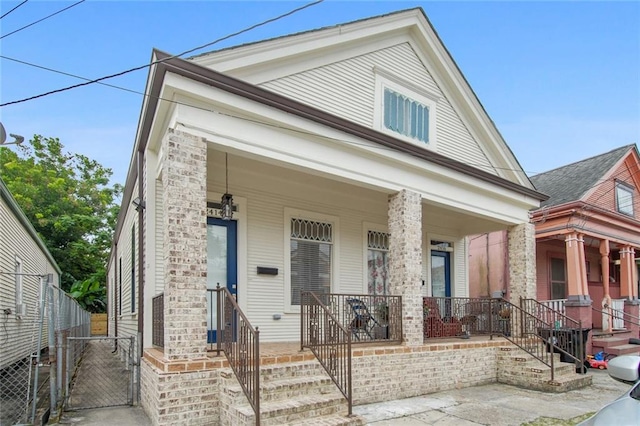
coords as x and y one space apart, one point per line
571 182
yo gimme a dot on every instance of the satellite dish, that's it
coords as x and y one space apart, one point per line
3 134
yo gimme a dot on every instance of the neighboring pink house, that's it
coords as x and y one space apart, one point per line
587 234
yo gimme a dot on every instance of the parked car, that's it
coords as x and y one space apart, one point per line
626 409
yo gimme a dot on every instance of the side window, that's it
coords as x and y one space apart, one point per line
18 284
405 110
624 198
406 116
377 263
558 279
311 255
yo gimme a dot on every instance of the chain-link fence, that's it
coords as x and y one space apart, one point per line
23 341
66 320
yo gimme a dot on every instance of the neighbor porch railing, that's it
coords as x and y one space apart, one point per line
620 316
157 320
557 305
459 316
329 340
567 334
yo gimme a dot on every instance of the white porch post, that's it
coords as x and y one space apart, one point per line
184 188
405 261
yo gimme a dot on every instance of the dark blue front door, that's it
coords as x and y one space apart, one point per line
222 266
440 274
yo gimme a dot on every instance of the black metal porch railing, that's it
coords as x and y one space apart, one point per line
458 316
157 320
567 334
240 342
324 334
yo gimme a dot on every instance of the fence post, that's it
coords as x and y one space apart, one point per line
491 319
218 319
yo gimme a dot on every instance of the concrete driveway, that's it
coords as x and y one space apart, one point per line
495 404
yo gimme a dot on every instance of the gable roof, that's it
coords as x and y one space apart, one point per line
573 181
270 59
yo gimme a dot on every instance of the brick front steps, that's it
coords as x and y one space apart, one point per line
518 368
615 343
298 393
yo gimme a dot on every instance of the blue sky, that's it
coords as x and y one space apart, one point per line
561 80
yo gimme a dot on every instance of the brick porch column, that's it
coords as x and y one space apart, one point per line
522 262
184 200
405 261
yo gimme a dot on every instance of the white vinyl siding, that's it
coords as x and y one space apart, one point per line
18 278
16 242
347 89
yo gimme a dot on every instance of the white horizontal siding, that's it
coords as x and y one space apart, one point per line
127 321
347 89
19 337
269 191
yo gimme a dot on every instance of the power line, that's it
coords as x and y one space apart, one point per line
118 74
13 9
40 20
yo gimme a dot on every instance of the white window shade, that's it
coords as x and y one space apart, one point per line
311 257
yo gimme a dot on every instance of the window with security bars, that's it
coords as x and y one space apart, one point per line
311 257
377 262
406 116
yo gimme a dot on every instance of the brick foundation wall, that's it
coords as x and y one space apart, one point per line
190 396
403 372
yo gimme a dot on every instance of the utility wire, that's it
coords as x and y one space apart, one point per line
40 20
13 9
598 182
118 74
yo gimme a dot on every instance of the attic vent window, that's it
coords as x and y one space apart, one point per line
624 198
406 116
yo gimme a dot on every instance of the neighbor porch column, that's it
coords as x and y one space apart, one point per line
578 305
606 299
184 193
522 262
405 261
629 289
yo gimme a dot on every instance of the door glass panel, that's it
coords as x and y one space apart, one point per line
216 268
438 276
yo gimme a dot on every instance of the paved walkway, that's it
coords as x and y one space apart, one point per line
495 404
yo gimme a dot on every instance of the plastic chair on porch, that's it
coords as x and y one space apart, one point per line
363 322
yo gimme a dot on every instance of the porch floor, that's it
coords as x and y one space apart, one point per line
285 352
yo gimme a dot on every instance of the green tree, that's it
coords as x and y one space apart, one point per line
68 199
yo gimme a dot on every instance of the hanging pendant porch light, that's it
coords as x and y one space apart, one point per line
226 205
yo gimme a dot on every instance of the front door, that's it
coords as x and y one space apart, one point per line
222 267
440 274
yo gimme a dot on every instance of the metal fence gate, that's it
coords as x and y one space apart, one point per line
105 375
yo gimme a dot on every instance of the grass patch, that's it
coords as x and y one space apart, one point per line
550 421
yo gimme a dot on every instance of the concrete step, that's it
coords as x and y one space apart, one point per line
286 388
294 410
294 369
332 420
627 349
605 341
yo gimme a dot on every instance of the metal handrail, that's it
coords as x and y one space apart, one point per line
547 314
240 343
558 335
617 313
157 320
328 339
